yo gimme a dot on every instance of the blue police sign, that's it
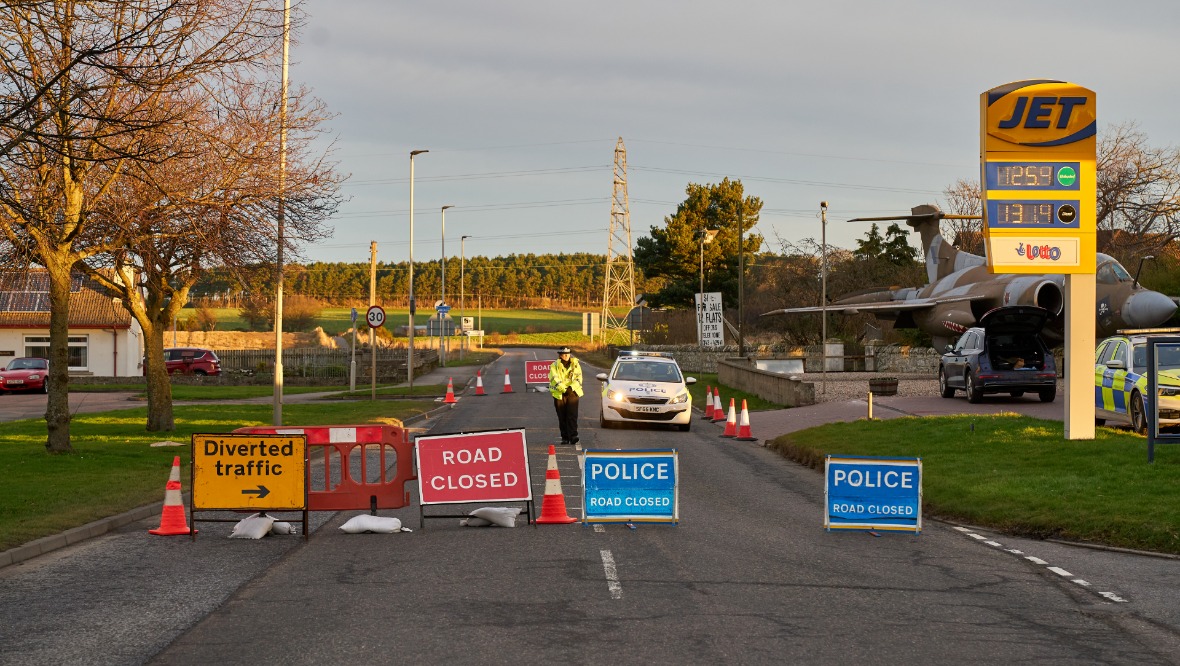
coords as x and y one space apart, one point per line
873 494
630 486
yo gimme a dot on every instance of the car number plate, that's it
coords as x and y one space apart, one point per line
647 409
16 381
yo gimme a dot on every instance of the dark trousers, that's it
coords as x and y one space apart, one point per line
567 415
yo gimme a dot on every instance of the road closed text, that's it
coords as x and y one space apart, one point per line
473 467
873 493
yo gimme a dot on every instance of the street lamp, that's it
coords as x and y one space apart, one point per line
705 236
823 298
462 289
410 352
442 316
741 281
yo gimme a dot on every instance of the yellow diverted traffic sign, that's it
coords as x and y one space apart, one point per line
1038 177
249 472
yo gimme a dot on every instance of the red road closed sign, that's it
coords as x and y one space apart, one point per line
473 467
536 372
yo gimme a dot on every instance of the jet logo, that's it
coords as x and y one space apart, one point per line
1041 113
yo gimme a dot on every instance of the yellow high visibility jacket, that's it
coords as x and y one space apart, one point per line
561 377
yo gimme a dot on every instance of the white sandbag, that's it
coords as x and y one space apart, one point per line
366 523
281 527
504 516
472 521
252 527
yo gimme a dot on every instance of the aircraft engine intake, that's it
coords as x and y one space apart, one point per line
1049 296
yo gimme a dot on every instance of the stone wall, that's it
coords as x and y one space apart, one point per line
770 386
907 360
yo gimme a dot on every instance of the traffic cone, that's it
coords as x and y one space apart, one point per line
708 410
450 399
479 384
507 382
553 504
743 433
718 412
731 422
172 520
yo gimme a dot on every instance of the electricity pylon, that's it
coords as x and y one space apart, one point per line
620 267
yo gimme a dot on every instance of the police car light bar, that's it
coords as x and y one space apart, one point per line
631 352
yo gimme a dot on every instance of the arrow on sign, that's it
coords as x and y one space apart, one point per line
261 491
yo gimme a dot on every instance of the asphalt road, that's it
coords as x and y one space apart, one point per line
748 576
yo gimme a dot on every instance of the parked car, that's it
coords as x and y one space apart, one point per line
1004 354
1120 380
25 374
645 387
191 361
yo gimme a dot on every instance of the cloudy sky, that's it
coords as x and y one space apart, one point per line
871 106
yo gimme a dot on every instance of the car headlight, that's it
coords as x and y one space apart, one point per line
34 376
1169 391
617 396
682 398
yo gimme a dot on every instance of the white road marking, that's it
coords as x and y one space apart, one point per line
962 529
1014 551
1081 582
1036 560
1061 572
600 528
977 537
612 575
1113 597
993 543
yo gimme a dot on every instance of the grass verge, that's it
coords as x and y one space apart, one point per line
1019 475
114 469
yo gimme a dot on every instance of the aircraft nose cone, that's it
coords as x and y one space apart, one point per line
1147 308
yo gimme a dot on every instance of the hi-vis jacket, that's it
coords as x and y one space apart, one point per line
561 378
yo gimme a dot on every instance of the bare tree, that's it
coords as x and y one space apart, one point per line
84 86
213 205
1138 193
963 198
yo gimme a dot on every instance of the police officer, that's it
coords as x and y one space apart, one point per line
565 385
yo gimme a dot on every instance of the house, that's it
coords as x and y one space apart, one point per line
105 340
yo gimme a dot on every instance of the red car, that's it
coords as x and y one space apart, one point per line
25 374
191 361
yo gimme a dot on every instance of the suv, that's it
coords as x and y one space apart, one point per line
1004 354
1120 380
191 361
645 387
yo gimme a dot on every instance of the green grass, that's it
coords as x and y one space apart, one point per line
706 379
424 390
187 392
114 469
1020 475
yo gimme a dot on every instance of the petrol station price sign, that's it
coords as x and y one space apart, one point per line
249 472
1038 176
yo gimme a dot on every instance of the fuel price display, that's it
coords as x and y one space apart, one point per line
1036 214
1032 175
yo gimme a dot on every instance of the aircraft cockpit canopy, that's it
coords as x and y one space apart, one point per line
1111 271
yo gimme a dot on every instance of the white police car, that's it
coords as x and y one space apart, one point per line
645 387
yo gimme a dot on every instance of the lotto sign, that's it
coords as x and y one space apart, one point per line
1037 152
473 467
630 486
873 494
249 472
536 372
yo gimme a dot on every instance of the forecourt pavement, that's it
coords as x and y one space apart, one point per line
749 575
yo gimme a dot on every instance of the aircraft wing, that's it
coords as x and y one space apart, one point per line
905 305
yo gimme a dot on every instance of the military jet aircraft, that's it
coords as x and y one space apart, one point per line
961 290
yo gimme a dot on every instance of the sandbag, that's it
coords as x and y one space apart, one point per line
252 527
502 516
367 523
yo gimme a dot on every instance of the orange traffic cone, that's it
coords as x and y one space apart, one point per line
743 433
553 504
479 384
450 399
718 412
708 410
172 520
507 382
731 422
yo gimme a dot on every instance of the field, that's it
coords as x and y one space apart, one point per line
335 321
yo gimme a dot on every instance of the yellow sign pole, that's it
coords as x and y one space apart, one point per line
1038 180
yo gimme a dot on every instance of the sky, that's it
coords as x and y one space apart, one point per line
870 106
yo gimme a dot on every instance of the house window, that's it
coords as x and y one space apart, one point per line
38 346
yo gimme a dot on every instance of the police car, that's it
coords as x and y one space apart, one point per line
645 387
1120 380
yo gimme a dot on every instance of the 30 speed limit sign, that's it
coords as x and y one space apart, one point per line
376 316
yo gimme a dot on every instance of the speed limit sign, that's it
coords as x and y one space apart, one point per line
376 316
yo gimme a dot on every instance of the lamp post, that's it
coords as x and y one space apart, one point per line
741 282
442 316
462 288
705 236
277 412
410 351
823 298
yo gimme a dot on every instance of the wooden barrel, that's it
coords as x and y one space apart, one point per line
883 386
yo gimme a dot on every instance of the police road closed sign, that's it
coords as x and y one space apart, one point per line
873 494
630 486
473 467
244 472
536 372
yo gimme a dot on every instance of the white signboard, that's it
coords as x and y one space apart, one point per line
710 325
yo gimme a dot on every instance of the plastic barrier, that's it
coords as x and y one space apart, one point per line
350 481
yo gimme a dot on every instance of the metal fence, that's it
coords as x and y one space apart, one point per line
323 363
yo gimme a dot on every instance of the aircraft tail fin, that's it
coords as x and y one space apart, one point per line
941 257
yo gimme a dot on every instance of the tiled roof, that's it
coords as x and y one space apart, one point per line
24 302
